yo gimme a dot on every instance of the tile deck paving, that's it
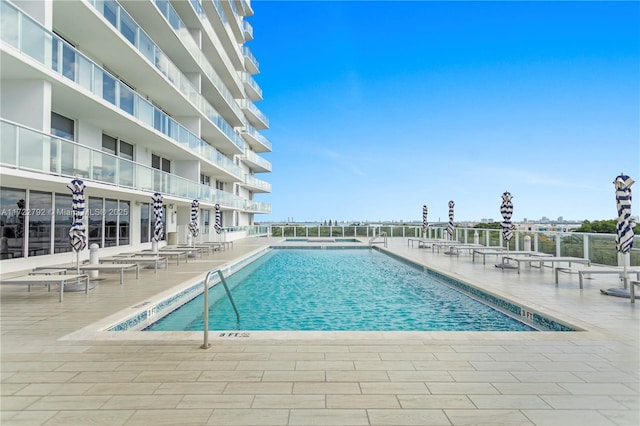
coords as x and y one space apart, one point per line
590 377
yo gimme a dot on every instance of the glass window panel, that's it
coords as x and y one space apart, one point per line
56 44
124 218
108 88
9 28
145 223
110 223
128 28
68 62
34 148
166 165
39 215
126 150
146 46
95 214
85 73
125 172
8 146
12 222
126 99
62 126
110 12
109 144
155 161
63 217
33 40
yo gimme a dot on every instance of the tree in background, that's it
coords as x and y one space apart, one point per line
489 225
598 226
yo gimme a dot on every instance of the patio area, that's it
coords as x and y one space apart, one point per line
589 377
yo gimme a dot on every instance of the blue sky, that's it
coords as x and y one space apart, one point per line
377 108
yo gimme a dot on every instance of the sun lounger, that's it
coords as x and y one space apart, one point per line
155 260
423 242
541 260
500 251
119 267
62 280
595 270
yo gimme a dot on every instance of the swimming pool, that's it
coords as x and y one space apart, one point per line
322 240
347 289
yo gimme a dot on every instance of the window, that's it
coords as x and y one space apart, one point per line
111 223
205 180
12 222
62 223
95 210
62 126
160 163
117 147
145 223
220 185
39 216
123 222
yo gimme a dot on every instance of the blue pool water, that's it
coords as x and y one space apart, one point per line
345 289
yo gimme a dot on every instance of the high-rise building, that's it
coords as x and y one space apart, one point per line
133 97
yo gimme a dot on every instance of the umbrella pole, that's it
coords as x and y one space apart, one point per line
78 262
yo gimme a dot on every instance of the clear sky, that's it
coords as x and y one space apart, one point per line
379 107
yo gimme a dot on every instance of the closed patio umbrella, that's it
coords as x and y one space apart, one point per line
506 210
450 228
425 224
194 228
158 227
218 220
624 229
77 231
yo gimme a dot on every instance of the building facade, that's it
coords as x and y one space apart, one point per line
134 97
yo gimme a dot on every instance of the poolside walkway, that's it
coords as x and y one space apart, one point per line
582 378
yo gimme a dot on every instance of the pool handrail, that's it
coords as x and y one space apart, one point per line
205 344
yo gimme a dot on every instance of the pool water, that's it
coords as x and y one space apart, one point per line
346 289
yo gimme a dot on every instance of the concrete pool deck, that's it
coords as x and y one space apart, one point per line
581 378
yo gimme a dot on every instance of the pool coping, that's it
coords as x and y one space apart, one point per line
99 330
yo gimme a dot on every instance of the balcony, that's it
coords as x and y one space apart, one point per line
93 82
248 31
253 91
257 140
257 207
256 185
29 150
250 61
257 163
253 114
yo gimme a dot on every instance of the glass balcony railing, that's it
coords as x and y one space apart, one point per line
124 23
257 183
248 30
27 36
256 159
249 129
247 78
28 149
246 103
247 53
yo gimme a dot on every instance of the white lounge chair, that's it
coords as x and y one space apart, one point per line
62 280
